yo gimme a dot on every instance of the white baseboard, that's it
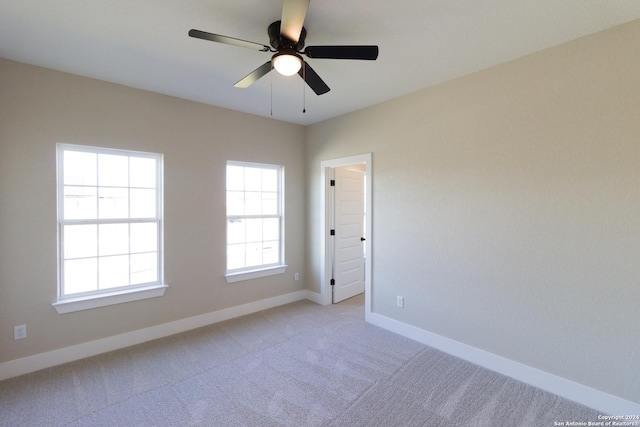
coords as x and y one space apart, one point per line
315 297
596 399
579 393
25 365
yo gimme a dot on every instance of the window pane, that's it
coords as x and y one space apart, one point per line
113 271
270 252
113 203
80 241
80 203
113 239
235 203
144 268
235 256
235 231
271 229
113 170
253 198
235 178
101 190
252 179
142 172
79 168
269 203
270 180
252 203
254 254
143 203
80 275
144 237
253 230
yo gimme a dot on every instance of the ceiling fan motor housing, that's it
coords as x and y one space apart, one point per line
279 42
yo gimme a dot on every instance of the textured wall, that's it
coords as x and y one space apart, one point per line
39 108
506 208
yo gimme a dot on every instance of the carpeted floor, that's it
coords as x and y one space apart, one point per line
297 365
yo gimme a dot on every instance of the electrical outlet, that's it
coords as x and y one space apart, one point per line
296 276
400 302
19 332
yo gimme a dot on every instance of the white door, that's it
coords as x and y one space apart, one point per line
348 254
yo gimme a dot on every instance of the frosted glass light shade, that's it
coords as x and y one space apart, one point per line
287 64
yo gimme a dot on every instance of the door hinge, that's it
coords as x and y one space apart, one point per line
332 232
333 282
332 183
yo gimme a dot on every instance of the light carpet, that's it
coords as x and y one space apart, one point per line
301 364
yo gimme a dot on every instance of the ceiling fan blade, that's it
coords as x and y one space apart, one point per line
227 40
313 79
293 14
254 76
342 52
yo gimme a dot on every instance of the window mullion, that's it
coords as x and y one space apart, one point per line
275 216
98 258
97 185
108 221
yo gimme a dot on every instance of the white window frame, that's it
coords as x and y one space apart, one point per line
100 298
255 272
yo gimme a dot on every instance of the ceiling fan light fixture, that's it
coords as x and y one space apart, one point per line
287 64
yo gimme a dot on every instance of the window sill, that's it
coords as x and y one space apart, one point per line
255 274
71 305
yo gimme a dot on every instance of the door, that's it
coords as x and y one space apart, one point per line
348 254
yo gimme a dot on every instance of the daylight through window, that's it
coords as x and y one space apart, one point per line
254 216
109 220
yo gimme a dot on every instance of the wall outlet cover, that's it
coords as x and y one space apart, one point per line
19 332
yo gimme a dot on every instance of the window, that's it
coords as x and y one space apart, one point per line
109 226
254 221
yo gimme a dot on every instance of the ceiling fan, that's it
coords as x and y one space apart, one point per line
287 38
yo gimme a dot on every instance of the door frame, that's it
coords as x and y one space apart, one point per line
325 225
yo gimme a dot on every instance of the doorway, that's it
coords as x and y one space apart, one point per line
347 210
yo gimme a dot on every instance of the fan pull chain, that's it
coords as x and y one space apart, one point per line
271 90
304 89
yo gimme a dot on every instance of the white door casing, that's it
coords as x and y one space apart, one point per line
326 215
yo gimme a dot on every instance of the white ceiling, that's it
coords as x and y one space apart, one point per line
144 44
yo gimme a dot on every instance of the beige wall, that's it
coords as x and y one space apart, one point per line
506 208
506 205
39 108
